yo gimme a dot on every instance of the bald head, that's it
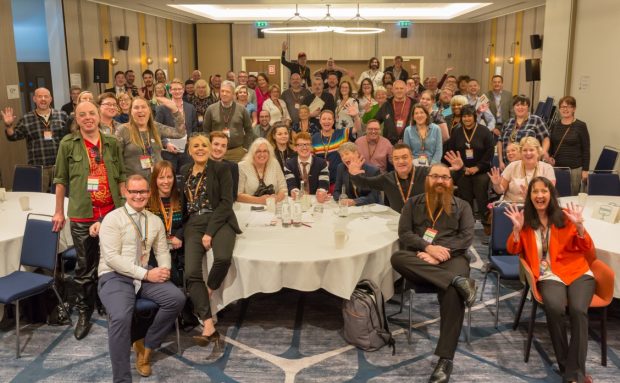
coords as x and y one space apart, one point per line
42 98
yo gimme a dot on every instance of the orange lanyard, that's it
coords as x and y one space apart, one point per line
192 196
468 139
430 215
167 217
326 148
400 188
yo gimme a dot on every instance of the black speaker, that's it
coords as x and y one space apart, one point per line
123 43
260 34
101 71
532 70
403 33
536 41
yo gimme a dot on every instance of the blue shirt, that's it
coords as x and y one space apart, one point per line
431 146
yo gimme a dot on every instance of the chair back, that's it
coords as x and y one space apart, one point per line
40 243
603 184
563 181
604 277
501 227
27 178
529 276
607 159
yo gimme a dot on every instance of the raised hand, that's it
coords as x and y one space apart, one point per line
496 176
355 165
455 160
516 216
449 69
8 116
574 212
168 103
353 110
284 46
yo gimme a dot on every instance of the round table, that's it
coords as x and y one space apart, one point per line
604 234
13 223
269 258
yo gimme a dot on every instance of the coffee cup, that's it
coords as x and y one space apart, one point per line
24 202
2 194
582 198
340 238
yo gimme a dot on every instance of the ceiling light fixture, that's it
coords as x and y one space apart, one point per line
296 30
359 30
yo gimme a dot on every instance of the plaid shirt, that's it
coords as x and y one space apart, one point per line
534 126
31 127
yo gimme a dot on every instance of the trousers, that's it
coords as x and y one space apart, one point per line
222 243
571 356
475 187
451 305
85 280
118 296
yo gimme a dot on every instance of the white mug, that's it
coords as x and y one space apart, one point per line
2 194
582 198
340 238
24 202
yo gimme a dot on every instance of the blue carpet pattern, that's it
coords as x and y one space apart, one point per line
292 336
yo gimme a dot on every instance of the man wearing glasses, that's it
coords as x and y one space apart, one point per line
308 168
435 231
90 165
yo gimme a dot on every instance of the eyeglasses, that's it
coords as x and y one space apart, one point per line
566 106
437 177
109 104
136 192
304 145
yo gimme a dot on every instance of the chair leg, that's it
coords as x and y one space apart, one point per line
468 333
410 323
604 337
530 331
176 324
402 301
484 283
62 304
17 353
499 279
526 290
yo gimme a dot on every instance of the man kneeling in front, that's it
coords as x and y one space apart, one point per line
126 237
436 229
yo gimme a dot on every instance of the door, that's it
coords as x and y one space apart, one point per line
268 65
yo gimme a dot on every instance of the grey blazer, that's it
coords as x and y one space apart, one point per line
505 105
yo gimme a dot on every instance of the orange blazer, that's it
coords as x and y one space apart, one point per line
569 254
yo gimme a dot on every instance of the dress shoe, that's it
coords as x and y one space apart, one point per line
466 288
205 340
442 372
143 358
83 326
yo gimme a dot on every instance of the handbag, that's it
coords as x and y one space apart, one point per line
263 189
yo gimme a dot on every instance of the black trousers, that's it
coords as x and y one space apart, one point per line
571 356
85 280
222 243
475 187
451 305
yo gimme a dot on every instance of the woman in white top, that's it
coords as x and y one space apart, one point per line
276 107
514 180
260 175
347 107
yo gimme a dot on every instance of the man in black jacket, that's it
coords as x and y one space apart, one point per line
395 113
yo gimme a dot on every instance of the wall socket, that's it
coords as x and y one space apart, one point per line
449 55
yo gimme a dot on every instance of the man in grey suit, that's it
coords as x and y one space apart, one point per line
500 103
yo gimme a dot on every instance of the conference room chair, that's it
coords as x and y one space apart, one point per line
146 308
562 181
501 263
607 159
27 178
39 250
603 295
604 184
414 288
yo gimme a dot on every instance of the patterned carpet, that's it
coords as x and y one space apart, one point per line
292 336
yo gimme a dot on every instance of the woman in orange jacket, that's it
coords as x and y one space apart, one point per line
555 245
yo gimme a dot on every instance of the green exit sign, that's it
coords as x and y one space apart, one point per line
404 24
262 24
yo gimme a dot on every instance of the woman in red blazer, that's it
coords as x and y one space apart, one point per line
555 245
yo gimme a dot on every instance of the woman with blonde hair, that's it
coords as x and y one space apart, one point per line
124 106
276 106
201 99
242 97
140 138
456 104
260 175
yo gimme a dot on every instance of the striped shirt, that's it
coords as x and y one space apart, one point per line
327 148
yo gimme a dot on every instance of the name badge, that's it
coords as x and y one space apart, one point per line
200 118
169 241
429 235
544 267
423 160
469 154
92 184
400 124
145 162
296 106
226 131
47 135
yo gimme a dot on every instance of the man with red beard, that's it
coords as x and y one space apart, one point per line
435 231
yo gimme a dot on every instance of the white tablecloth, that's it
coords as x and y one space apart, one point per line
269 258
13 222
606 236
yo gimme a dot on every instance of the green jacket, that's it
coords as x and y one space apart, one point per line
72 168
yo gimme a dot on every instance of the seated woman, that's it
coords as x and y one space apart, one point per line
424 138
280 139
260 175
557 248
209 223
356 196
305 124
514 180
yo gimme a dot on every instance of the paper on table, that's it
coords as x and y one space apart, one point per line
364 224
262 218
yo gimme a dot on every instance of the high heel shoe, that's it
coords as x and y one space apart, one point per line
205 340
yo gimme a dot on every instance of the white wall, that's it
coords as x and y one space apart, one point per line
556 48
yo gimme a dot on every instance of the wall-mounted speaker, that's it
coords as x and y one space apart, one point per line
123 43
532 70
403 33
259 33
536 41
101 71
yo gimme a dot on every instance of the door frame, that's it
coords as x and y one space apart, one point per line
266 58
405 59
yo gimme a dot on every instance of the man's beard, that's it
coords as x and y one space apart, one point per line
439 199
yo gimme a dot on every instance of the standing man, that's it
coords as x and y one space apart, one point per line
332 85
319 100
230 76
119 84
373 73
91 165
375 149
242 79
127 236
215 83
395 113
263 127
69 107
130 84
148 90
500 102
189 91
43 129
233 120
308 168
397 69
219 145
296 67
437 229
294 96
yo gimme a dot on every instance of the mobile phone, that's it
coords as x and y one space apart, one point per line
257 208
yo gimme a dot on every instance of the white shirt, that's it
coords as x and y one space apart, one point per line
376 78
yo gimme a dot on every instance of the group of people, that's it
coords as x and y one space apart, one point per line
153 172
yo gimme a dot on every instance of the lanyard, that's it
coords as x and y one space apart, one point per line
326 147
468 139
544 239
402 109
430 215
371 154
525 174
422 138
146 147
143 238
192 196
226 116
167 216
400 188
